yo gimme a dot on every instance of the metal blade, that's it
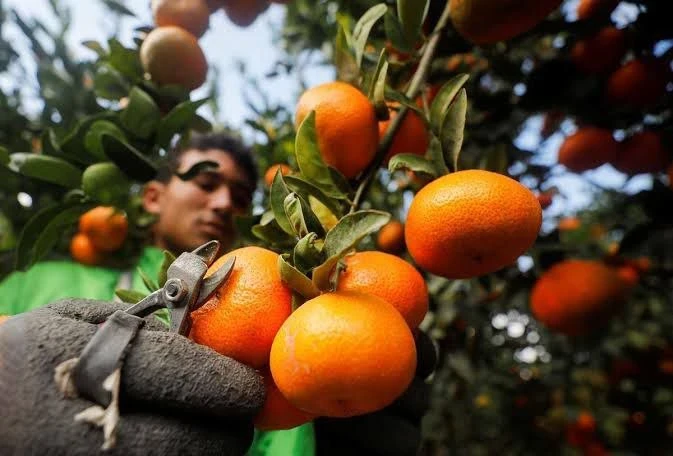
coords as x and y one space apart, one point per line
212 283
208 252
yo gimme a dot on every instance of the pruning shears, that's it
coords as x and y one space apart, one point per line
186 289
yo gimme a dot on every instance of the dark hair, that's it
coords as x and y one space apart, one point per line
228 144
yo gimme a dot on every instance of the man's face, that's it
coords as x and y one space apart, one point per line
191 213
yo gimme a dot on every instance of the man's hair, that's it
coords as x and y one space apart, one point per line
228 144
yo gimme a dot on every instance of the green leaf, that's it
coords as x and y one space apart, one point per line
363 27
393 95
451 135
31 231
310 161
412 13
295 279
95 46
142 115
52 231
196 169
149 283
414 163
130 296
177 120
7 236
4 156
344 60
124 60
272 234
301 216
46 168
278 193
377 89
437 157
118 7
395 33
306 254
351 229
169 258
441 103
130 160
495 159
305 188
93 141
110 84
322 274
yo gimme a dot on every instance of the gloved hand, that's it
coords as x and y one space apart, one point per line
176 397
393 431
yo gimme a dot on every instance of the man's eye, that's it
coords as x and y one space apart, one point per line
207 186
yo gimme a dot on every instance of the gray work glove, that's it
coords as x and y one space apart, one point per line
393 431
176 397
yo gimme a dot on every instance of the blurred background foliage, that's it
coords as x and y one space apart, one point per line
506 384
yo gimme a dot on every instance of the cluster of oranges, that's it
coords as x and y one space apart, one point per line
102 230
590 147
171 53
345 352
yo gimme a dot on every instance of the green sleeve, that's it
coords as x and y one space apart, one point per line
10 292
299 441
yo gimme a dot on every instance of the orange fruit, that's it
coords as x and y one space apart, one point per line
346 125
3 318
489 21
271 172
545 200
83 251
244 12
569 224
390 237
277 412
589 8
638 84
629 275
105 227
644 152
242 318
587 148
390 278
471 223
575 296
172 55
586 422
343 354
465 62
191 15
601 52
410 138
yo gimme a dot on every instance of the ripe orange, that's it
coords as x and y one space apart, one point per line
191 15
277 412
644 152
244 12
587 9
569 224
105 227
390 238
343 354
489 21
390 278
172 55
465 62
346 125
575 296
586 422
629 274
410 138
242 318
638 84
588 148
83 251
601 52
471 223
271 172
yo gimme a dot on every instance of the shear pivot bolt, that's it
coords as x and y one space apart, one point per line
174 290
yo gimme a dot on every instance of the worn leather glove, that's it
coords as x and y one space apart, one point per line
176 397
393 431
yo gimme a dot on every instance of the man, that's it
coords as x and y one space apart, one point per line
188 214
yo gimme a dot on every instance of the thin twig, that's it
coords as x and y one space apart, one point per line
414 86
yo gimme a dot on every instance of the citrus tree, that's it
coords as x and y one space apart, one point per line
414 182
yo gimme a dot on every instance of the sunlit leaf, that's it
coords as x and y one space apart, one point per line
363 27
295 279
46 168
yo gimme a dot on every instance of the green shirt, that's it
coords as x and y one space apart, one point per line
50 281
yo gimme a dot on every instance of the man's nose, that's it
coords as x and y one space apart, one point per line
220 200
